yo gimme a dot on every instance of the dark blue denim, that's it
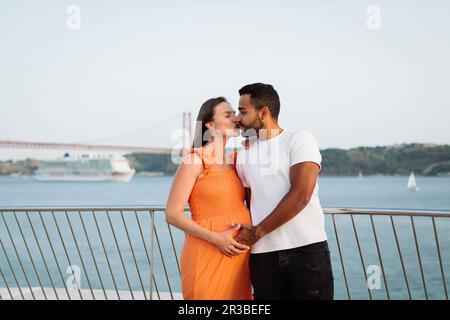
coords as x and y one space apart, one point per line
302 273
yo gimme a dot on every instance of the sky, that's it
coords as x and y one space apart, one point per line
353 73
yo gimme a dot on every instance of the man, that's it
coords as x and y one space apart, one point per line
289 258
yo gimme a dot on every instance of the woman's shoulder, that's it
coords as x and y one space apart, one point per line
192 156
231 156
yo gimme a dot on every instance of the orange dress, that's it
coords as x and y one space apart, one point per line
216 203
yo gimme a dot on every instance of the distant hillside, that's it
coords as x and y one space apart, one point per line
22 167
143 162
423 159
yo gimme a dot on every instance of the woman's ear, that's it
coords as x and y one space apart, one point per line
209 125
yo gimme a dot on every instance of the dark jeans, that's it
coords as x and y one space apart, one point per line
302 273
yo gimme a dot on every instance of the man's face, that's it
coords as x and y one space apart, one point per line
248 116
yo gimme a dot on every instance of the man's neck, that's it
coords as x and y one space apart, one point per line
269 132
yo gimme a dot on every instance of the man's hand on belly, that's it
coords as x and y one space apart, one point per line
247 235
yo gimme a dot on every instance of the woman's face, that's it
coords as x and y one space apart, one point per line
225 121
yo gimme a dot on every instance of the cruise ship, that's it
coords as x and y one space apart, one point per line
85 168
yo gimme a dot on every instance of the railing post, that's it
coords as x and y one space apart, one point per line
146 252
152 215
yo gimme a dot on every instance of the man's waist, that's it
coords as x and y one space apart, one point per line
277 244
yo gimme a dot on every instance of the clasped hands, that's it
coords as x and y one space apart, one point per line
232 245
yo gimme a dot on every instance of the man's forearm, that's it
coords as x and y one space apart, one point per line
288 208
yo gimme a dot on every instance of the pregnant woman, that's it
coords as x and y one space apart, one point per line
213 264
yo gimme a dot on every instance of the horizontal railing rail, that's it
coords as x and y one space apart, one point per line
132 253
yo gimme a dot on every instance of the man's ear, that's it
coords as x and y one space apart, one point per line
265 113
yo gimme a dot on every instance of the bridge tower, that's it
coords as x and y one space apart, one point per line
187 130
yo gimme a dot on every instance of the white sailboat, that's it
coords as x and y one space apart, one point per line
412 184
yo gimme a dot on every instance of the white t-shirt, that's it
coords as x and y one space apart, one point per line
264 168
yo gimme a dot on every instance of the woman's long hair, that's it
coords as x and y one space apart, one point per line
205 115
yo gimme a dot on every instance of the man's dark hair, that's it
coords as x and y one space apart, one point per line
263 95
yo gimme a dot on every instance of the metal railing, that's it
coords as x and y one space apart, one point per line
401 264
132 253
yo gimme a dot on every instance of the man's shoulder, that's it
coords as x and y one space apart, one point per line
297 135
300 133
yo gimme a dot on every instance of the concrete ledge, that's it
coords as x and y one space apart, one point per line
37 293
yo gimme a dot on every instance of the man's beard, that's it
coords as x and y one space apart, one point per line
253 128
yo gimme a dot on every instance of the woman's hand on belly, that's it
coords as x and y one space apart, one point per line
225 242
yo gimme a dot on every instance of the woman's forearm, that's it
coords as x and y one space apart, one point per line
181 221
